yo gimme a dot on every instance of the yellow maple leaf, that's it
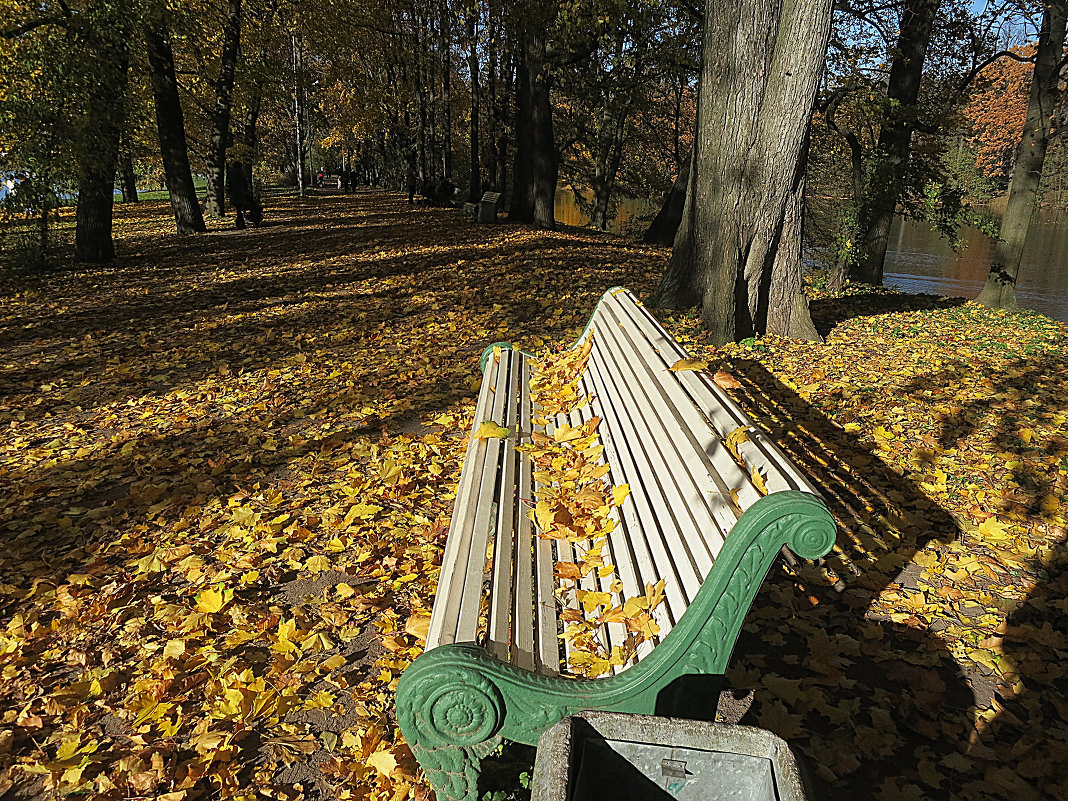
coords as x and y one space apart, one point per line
993 530
620 493
214 599
758 481
683 365
418 626
383 761
490 430
590 600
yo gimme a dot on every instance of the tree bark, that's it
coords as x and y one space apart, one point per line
521 207
544 164
999 291
127 174
446 91
170 123
215 202
760 69
665 225
100 148
474 192
887 171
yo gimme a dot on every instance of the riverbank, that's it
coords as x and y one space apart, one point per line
227 463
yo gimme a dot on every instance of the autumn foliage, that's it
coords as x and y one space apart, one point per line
227 468
997 110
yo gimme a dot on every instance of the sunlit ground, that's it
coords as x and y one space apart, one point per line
227 463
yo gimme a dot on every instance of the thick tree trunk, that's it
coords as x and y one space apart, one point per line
215 203
761 65
1000 289
887 171
544 164
127 174
171 126
446 91
99 149
783 305
665 225
521 208
474 192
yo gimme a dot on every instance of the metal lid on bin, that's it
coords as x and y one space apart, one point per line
617 757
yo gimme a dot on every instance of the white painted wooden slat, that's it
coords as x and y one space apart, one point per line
446 608
717 404
615 632
656 523
546 608
467 624
707 461
499 627
678 495
524 614
626 540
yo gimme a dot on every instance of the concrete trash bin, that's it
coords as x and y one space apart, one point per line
607 756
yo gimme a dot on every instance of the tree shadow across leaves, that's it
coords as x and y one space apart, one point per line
869 694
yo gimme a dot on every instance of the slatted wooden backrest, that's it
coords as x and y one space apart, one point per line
663 433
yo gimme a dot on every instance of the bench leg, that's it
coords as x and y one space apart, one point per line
450 715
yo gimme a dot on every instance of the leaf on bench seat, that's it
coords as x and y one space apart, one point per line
683 365
490 430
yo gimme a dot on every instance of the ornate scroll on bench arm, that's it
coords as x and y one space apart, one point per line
456 702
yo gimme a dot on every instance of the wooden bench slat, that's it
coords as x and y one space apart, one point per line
709 518
470 605
524 612
445 611
657 525
707 452
545 608
501 618
616 633
721 409
623 546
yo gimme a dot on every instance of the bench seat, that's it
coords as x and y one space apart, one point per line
672 436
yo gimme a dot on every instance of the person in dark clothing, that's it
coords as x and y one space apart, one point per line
239 190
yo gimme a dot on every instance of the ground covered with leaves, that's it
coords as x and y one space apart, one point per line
227 464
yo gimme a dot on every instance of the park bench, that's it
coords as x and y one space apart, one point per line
695 518
487 208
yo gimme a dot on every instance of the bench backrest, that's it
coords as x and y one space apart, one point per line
492 197
665 434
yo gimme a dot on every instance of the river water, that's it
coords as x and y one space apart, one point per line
919 260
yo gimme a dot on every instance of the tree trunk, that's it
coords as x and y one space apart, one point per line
665 225
446 91
785 311
171 126
544 164
127 175
100 150
760 69
491 92
886 174
521 208
1000 289
474 192
215 203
